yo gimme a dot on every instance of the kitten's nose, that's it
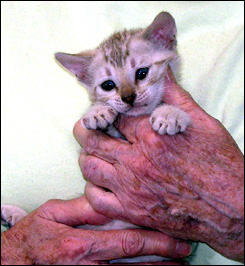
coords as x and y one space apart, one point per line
129 99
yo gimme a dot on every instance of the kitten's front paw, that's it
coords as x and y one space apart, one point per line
99 116
168 119
11 214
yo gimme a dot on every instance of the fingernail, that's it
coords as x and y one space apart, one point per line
170 76
183 249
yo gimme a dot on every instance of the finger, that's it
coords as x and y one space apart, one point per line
138 242
103 201
133 127
174 94
99 144
73 212
97 171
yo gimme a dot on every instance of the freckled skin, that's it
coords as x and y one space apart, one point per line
47 236
190 185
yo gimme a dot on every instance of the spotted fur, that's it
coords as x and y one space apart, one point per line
118 59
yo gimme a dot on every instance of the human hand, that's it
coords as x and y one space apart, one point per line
190 185
45 237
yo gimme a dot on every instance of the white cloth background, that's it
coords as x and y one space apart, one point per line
41 102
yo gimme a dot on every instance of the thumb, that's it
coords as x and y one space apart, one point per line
175 95
73 212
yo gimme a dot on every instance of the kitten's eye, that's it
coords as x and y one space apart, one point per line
141 73
108 85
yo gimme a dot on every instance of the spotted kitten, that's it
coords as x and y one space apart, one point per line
125 74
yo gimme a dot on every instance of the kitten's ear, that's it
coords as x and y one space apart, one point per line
162 31
77 64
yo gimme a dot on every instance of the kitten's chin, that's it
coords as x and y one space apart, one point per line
138 110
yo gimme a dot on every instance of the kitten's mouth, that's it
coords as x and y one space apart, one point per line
136 108
140 105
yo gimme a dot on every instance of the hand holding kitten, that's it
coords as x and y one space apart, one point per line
189 185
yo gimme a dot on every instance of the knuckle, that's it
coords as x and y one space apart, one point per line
217 122
133 243
82 161
47 209
88 167
50 203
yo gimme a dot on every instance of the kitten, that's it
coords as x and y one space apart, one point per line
125 74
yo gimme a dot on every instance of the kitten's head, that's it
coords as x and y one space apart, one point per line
127 70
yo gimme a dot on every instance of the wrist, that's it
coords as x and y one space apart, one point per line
11 251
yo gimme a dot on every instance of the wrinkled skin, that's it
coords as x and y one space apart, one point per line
46 237
190 185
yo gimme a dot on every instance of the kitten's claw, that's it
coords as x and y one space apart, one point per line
10 215
99 117
168 119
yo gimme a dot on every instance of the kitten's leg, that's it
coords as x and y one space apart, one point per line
11 214
99 116
168 119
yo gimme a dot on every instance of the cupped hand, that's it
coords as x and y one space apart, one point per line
190 185
47 237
